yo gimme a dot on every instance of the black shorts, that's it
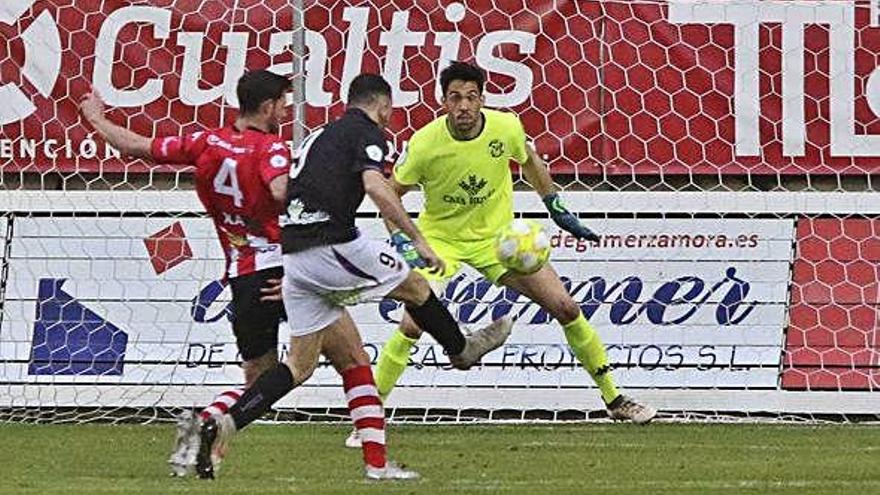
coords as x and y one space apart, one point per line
254 322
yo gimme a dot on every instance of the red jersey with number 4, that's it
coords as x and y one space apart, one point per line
233 170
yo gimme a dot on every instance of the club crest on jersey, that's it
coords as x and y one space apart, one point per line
496 148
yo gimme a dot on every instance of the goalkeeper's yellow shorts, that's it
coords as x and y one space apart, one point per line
480 255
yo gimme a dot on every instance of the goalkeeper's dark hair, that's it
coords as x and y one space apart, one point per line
257 87
462 71
365 88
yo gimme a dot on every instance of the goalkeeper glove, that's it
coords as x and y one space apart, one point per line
566 219
404 246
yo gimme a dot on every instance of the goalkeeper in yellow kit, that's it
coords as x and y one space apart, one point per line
461 162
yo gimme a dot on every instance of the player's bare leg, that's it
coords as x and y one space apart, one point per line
255 367
545 288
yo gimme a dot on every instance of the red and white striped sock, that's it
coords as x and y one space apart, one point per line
367 413
221 403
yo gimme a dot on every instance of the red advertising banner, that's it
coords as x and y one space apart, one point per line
603 87
164 66
833 341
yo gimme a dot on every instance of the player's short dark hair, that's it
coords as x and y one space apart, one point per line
259 86
462 71
366 87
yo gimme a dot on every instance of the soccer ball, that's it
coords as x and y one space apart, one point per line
523 246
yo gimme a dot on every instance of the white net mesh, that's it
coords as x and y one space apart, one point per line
726 151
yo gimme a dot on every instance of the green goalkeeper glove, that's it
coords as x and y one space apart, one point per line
566 220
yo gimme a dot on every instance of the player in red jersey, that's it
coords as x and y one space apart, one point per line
241 179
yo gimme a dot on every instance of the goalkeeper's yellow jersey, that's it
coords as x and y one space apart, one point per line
467 184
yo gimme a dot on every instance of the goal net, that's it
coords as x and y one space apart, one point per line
726 152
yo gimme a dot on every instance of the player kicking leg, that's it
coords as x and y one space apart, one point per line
546 289
308 275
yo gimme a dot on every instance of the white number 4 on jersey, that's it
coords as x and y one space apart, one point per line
226 182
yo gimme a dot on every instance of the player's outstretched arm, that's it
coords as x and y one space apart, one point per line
538 176
127 142
388 202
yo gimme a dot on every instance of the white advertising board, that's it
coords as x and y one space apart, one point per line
680 303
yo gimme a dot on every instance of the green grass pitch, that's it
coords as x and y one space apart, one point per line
528 459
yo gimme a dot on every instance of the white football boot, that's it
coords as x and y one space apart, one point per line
481 342
625 408
391 471
182 458
353 441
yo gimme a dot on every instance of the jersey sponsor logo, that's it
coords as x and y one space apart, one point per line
496 148
235 240
374 153
473 186
296 215
238 241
